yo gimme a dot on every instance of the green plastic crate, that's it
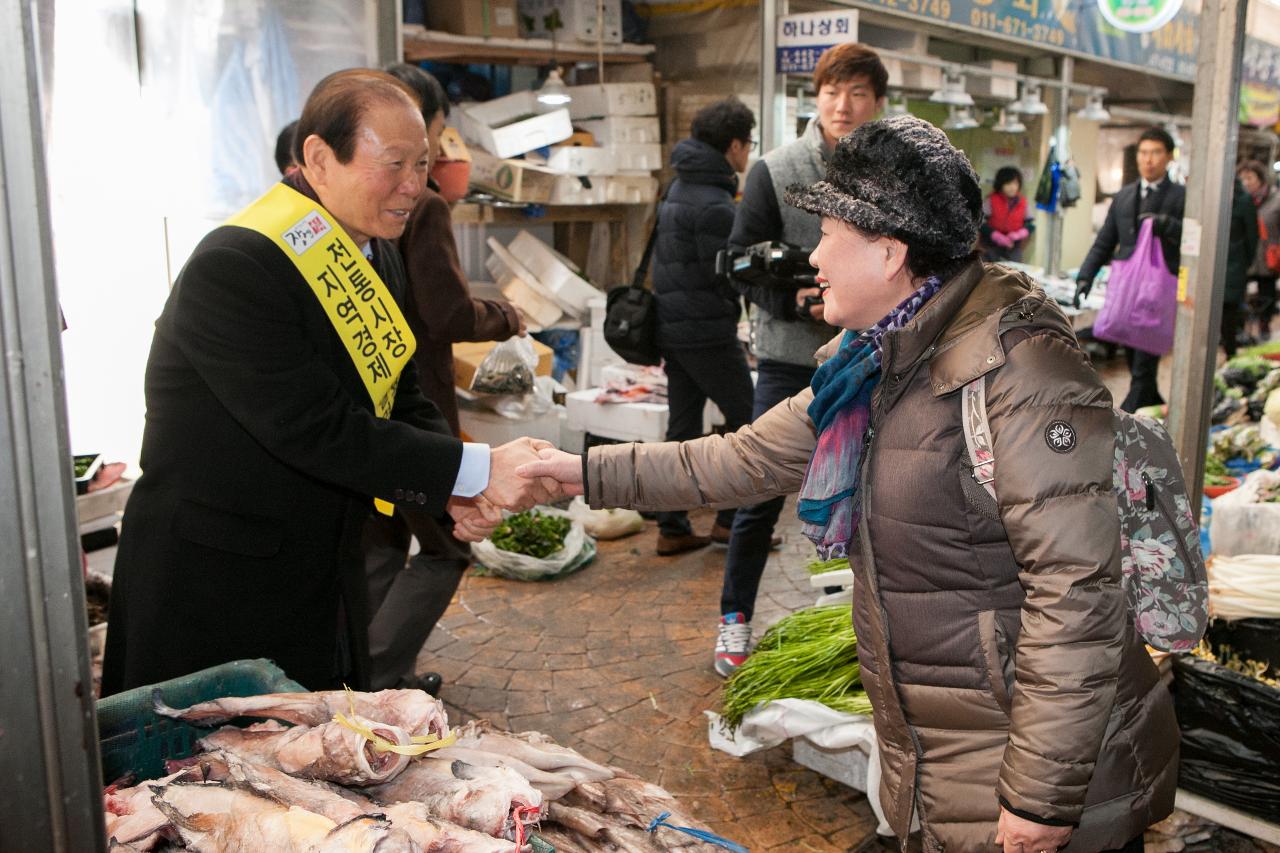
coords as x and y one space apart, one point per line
135 739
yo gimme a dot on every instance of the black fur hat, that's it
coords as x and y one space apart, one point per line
900 177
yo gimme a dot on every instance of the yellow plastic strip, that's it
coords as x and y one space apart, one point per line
381 744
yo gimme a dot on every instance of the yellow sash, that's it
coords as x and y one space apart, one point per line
354 298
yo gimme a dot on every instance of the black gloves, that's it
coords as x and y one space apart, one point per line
1083 287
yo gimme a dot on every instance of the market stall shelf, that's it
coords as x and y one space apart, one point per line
1254 827
421 44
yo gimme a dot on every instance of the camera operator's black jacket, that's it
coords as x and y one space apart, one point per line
695 307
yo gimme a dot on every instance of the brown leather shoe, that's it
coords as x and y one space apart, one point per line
668 545
720 537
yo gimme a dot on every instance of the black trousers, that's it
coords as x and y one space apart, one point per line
1232 323
1143 370
753 525
407 596
719 374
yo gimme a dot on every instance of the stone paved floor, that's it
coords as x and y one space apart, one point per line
615 661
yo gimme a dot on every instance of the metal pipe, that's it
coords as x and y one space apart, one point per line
770 79
51 787
1053 246
1206 228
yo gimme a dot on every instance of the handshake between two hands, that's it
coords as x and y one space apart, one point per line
522 474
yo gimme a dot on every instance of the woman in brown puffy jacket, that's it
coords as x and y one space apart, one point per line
1015 706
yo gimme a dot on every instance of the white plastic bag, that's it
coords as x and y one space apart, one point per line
507 369
1242 525
579 549
606 523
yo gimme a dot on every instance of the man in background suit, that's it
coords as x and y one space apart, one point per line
1152 195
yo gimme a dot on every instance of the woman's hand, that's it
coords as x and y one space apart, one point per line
1019 835
564 468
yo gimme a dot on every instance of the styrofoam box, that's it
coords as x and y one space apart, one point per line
488 427
533 305
613 99
553 273
569 189
579 17
909 75
623 157
613 130
619 421
993 87
630 189
492 125
847 765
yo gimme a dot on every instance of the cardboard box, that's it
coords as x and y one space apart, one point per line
514 180
624 157
613 99
452 147
614 130
554 272
487 18
579 20
513 124
468 355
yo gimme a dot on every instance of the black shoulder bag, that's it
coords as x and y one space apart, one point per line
631 315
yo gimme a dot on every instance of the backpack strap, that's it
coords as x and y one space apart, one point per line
977 434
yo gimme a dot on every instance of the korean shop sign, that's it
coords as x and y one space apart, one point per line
803 37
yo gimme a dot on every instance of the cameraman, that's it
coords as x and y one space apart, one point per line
851 83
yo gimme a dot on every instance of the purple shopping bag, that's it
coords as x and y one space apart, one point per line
1141 301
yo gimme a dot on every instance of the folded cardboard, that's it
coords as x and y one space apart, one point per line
554 272
613 130
623 157
513 124
487 18
613 99
468 355
579 20
515 180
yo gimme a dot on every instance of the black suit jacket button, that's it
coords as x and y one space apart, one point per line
399 494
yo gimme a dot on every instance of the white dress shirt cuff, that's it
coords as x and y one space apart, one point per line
473 473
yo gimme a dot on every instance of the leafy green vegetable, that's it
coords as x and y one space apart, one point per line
821 567
811 654
532 533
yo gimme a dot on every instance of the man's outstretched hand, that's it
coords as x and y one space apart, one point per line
510 490
564 469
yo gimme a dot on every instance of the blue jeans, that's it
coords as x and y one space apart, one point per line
753 525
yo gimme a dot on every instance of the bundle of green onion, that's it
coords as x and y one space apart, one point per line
821 567
811 654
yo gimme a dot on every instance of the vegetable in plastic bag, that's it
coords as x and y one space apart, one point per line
578 549
507 369
1242 522
606 523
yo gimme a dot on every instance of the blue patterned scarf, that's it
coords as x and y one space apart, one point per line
829 503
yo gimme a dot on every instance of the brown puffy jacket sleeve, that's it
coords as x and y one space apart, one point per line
1060 516
762 460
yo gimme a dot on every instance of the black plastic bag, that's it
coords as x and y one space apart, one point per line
1231 723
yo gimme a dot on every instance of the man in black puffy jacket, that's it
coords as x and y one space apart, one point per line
697 311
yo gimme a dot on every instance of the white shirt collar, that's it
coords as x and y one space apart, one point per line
1151 185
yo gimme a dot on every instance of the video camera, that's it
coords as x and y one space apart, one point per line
786 264
773 263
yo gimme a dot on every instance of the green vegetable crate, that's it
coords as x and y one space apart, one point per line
135 739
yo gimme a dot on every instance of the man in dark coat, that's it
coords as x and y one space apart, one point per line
697 310
1152 195
1242 246
263 448
407 596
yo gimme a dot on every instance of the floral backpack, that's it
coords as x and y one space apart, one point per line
1165 581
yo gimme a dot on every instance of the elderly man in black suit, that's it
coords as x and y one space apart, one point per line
1152 195
282 399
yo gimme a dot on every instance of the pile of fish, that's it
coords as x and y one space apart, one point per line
345 775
